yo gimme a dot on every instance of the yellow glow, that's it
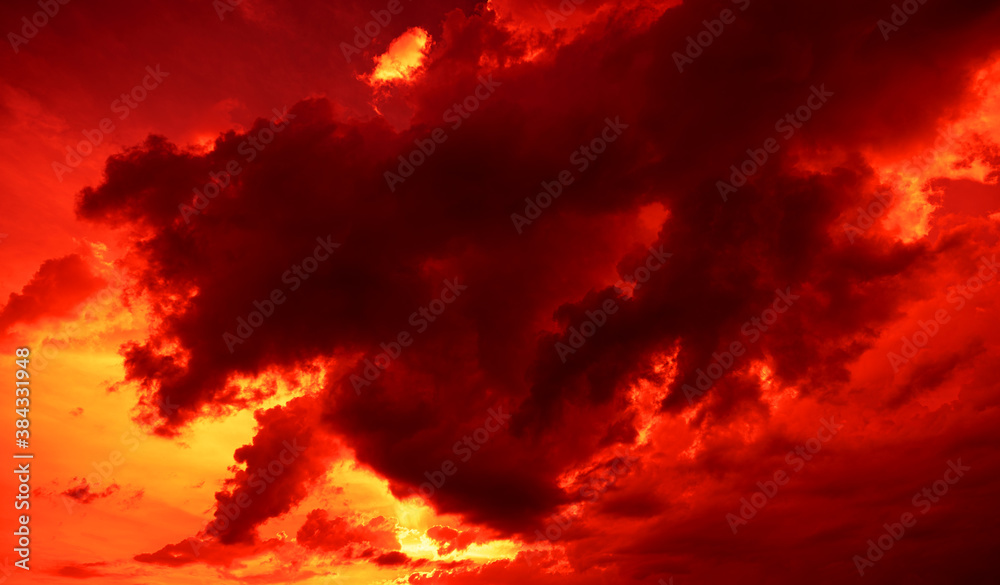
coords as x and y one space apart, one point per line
771 392
403 58
947 157
646 397
696 446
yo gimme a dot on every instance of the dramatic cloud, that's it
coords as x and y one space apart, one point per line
56 289
322 533
583 278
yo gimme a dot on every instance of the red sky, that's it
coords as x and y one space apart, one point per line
506 292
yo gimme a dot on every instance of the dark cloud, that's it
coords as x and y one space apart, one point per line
80 571
391 559
321 533
208 551
286 456
59 286
84 495
493 345
453 540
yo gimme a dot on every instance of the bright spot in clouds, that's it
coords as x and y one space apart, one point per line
403 58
